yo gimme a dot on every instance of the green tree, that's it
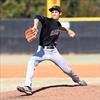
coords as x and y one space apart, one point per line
88 8
81 8
11 9
70 8
29 8
21 8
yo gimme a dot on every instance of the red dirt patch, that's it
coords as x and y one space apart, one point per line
58 92
50 70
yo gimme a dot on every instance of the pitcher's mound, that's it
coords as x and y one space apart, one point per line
57 92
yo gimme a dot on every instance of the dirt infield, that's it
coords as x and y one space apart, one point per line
10 69
49 70
57 92
15 66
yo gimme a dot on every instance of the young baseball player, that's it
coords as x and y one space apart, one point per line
47 47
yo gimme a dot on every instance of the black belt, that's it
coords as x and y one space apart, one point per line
48 47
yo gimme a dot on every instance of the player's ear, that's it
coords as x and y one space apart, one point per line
60 13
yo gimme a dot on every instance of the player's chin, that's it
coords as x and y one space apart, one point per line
56 18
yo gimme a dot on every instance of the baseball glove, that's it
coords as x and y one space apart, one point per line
30 34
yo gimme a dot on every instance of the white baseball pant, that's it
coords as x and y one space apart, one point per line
41 55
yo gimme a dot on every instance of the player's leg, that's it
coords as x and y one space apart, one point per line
27 88
58 60
33 62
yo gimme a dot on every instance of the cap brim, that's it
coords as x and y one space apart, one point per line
51 9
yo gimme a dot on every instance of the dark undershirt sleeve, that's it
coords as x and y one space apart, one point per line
41 18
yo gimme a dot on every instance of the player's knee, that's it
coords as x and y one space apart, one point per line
32 63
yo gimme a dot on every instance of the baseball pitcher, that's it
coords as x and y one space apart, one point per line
47 50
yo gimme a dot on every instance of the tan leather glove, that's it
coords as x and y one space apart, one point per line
30 34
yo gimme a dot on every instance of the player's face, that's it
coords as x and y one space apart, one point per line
55 14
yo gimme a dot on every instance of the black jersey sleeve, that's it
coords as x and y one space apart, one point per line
59 24
41 18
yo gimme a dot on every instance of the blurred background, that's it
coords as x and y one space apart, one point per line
83 16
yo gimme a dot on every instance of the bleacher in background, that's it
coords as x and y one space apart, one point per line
12 38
